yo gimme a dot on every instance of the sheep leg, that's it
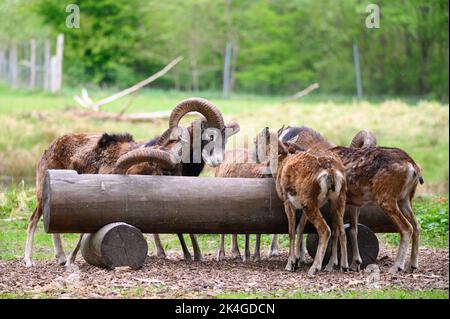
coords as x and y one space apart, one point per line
257 252
300 249
235 247
186 253
59 252
396 216
405 207
221 251
73 254
273 246
290 213
160 253
334 245
338 210
196 247
247 248
356 257
32 225
315 217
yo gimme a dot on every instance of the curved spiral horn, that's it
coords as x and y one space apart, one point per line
364 138
195 104
164 158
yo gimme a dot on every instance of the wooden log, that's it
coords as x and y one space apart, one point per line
367 243
170 204
115 245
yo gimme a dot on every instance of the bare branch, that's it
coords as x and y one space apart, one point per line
84 100
302 93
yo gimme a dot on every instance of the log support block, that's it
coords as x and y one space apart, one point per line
367 242
115 245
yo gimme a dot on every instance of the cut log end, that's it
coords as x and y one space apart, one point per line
367 241
115 245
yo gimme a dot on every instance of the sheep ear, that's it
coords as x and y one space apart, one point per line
282 149
280 130
294 148
232 129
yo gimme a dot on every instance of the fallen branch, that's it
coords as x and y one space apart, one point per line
86 102
302 93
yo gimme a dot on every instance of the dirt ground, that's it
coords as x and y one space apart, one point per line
174 278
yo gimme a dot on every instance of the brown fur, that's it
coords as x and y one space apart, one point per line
306 138
237 164
298 186
379 176
89 154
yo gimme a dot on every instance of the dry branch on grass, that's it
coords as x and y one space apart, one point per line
302 93
93 108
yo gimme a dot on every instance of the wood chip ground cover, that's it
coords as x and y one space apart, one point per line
174 278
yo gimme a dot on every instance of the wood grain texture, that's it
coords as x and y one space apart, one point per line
171 204
115 245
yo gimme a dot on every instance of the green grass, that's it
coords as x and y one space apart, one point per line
29 122
432 214
387 293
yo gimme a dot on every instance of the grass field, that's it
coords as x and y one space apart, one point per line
29 122
367 294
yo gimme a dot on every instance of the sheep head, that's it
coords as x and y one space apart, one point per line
213 131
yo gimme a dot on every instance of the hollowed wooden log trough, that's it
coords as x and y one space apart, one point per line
85 203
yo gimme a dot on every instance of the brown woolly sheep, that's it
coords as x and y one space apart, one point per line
106 154
237 163
382 176
305 180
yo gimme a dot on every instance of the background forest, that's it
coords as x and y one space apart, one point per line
279 47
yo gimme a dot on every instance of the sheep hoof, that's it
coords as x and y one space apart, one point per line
290 266
187 257
394 270
237 256
61 260
29 263
161 255
355 267
220 256
273 253
329 268
198 258
410 269
256 258
312 271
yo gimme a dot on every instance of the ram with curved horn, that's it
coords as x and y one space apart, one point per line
111 153
211 125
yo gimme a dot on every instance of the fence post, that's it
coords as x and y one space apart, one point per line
13 74
2 64
227 69
32 64
56 64
47 65
357 71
